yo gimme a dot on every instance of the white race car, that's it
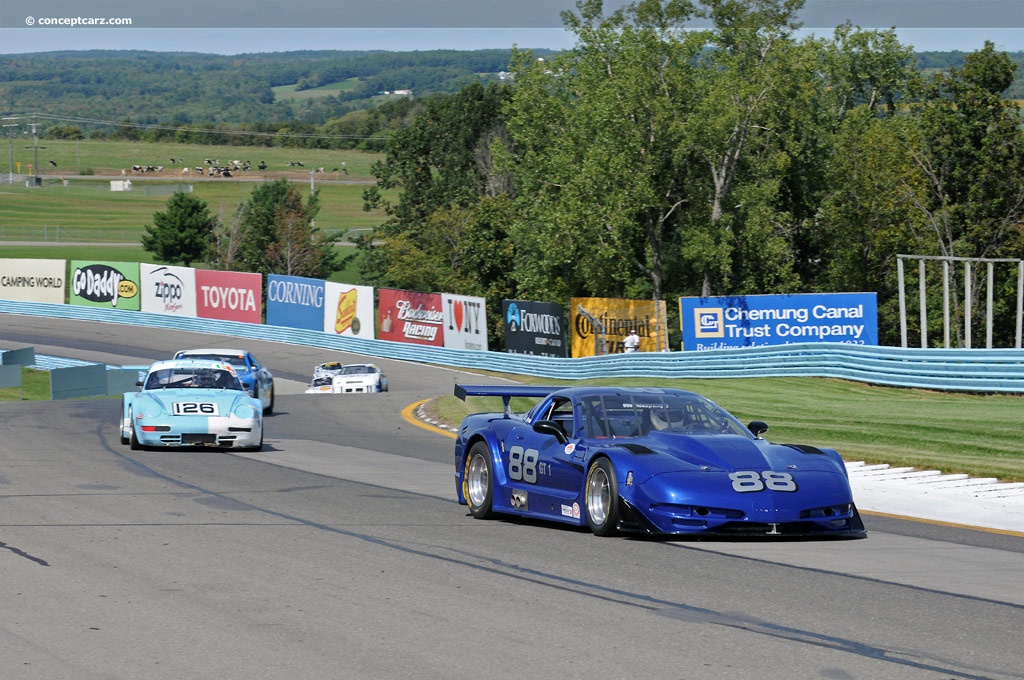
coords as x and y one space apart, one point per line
333 377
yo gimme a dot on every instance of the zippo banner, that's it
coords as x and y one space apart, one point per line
759 320
104 284
32 280
230 296
408 316
536 328
465 322
348 310
168 290
295 302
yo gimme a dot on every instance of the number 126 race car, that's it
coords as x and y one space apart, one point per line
645 460
191 402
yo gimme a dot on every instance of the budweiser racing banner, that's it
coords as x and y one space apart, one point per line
757 320
536 328
231 296
104 284
407 316
32 280
600 325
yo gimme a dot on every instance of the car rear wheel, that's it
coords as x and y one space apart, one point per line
478 481
270 407
602 498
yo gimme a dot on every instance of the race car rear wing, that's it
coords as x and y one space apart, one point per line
506 392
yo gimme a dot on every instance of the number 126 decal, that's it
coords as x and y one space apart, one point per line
744 481
195 408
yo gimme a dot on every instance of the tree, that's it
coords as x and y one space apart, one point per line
276 234
182 234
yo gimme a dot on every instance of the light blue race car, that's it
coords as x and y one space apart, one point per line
191 402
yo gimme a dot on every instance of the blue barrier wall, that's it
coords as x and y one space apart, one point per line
973 370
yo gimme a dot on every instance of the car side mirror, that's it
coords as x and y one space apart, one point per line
550 427
758 427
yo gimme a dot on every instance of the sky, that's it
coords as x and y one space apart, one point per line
251 26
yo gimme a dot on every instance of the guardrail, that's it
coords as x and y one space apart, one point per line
964 370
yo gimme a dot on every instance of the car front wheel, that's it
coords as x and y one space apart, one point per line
602 498
478 481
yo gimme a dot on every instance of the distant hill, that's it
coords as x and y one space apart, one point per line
183 88
96 90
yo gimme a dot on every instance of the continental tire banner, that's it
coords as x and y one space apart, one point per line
465 322
600 325
230 296
759 320
32 280
408 316
104 284
536 328
348 310
168 290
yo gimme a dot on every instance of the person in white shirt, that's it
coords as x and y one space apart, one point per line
632 342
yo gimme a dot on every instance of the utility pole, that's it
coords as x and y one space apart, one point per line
37 181
10 138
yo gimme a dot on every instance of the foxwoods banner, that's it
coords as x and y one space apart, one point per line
534 328
759 320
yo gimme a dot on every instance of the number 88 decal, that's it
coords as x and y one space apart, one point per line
522 464
745 481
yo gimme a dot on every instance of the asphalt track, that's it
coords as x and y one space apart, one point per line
338 552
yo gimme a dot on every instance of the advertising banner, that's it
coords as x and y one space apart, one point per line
348 310
295 302
231 296
534 328
168 290
758 320
407 316
32 280
465 322
600 325
104 284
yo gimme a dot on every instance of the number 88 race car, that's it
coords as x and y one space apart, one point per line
645 460
191 402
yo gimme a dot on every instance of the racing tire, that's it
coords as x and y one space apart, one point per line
124 439
478 481
601 496
270 407
134 441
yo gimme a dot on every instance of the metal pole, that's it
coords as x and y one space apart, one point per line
967 304
924 304
903 301
988 310
945 304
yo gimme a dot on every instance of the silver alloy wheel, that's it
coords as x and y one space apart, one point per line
599 495
477 481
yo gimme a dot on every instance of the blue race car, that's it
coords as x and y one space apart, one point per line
255 377
645 460
191 402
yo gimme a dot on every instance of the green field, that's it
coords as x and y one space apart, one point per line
331 89
955 433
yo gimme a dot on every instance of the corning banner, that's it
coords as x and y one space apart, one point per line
758 320
168 290
295 302
536 328
465 322
617 317
407 316
32 280
229 296
104 284
348 310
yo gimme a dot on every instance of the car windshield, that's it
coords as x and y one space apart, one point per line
357 370
638 415
236 360
199 378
